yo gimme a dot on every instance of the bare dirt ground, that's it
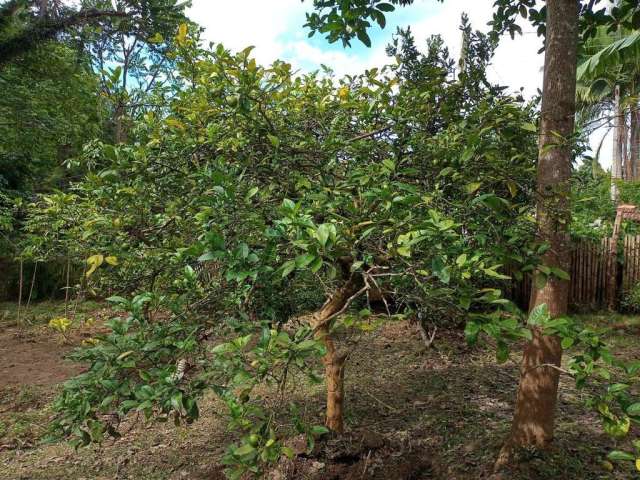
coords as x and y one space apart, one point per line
439 414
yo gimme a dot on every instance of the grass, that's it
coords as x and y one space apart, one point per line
39 313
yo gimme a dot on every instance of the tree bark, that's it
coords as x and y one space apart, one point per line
533 421
43 8
120 129
334 360
626 149
635 141
618 138
20 291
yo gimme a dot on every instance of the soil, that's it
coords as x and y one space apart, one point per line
411 414
32 359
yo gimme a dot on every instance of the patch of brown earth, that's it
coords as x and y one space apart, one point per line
358 455
32 359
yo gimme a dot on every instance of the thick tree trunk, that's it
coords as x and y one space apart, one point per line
334 361
618 139
533 421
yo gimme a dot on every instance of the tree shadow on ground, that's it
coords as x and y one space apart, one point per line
454 404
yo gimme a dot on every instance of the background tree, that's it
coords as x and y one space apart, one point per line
608 78
131 55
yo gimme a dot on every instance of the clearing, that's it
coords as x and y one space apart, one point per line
413 414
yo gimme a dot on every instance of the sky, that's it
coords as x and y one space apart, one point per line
275 29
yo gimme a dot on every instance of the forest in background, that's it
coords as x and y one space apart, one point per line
253 228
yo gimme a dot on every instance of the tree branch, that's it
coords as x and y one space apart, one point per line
46 29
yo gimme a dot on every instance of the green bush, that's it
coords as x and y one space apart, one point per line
630 302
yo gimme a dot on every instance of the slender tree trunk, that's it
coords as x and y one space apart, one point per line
21 282
626 148
618 138
120 134
635 141
334 364
43 8
533 421
334 360
66 288
33 282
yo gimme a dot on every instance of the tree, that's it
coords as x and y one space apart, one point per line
303 195
608 75
538 388
130 55
560 21
23 29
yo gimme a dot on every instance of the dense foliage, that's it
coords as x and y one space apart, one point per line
410 183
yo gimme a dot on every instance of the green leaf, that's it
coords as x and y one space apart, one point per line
502 352
117 299
288 452
385 7
288 267
529 127
567 342
251 193
316 264
303 261
244 450
492 273
472 187
275 141
306 344
176 402
363 36
634 409
322 234
539 315
318 430
440 270
471 331
617 387
619 455
558 272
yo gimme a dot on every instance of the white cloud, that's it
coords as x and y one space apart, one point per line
516 63
274 27
238 24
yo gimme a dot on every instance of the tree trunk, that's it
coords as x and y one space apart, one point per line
334 375
43 7
635 141
618 138
20 291
626 149
334 361
120 133
533 421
